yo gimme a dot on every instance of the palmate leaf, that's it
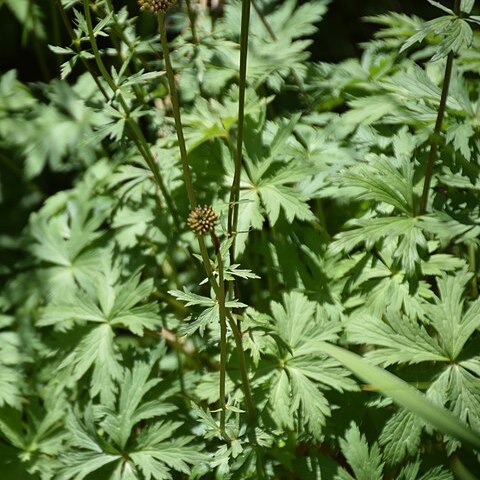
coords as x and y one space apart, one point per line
89 454
288 21
458 388
403 340
367 462
36 437
447 315
412 470
160 449
65 244
96 350
388 290
297 386
404 232
455 32
131 409
380 179
105 435
276 194
112 304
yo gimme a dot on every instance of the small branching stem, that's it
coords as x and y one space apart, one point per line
76 45
438 126
135 131
119 33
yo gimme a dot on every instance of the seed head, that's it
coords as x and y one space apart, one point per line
202 219
156 6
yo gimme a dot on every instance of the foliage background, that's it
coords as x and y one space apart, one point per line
96 384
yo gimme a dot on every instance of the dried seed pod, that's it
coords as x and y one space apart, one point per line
202 219
156 6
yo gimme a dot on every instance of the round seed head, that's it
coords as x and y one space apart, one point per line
156 6
202 219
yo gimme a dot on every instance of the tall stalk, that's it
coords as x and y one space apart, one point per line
218 287
235 189
176 111
438 126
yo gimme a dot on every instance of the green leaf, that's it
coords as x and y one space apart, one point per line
11 359
366 462
130 410
400 437
405 233
454 31
378 179
96 350
112 301
30 16
192 298
459 389
303 374
157 451
402 340
447 317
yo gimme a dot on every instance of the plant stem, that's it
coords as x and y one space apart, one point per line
237 336
137 134
219 290
76 44
438 126
191 16
472 267
223 333
118 32
176 112
235 189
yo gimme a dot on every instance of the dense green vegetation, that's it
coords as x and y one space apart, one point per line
224 262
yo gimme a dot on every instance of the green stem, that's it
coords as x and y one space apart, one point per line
237 335
235 189
438 126
223 333
176 112
472 267
191 16
118 37
76 45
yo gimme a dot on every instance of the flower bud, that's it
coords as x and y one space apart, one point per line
202 219
156 6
